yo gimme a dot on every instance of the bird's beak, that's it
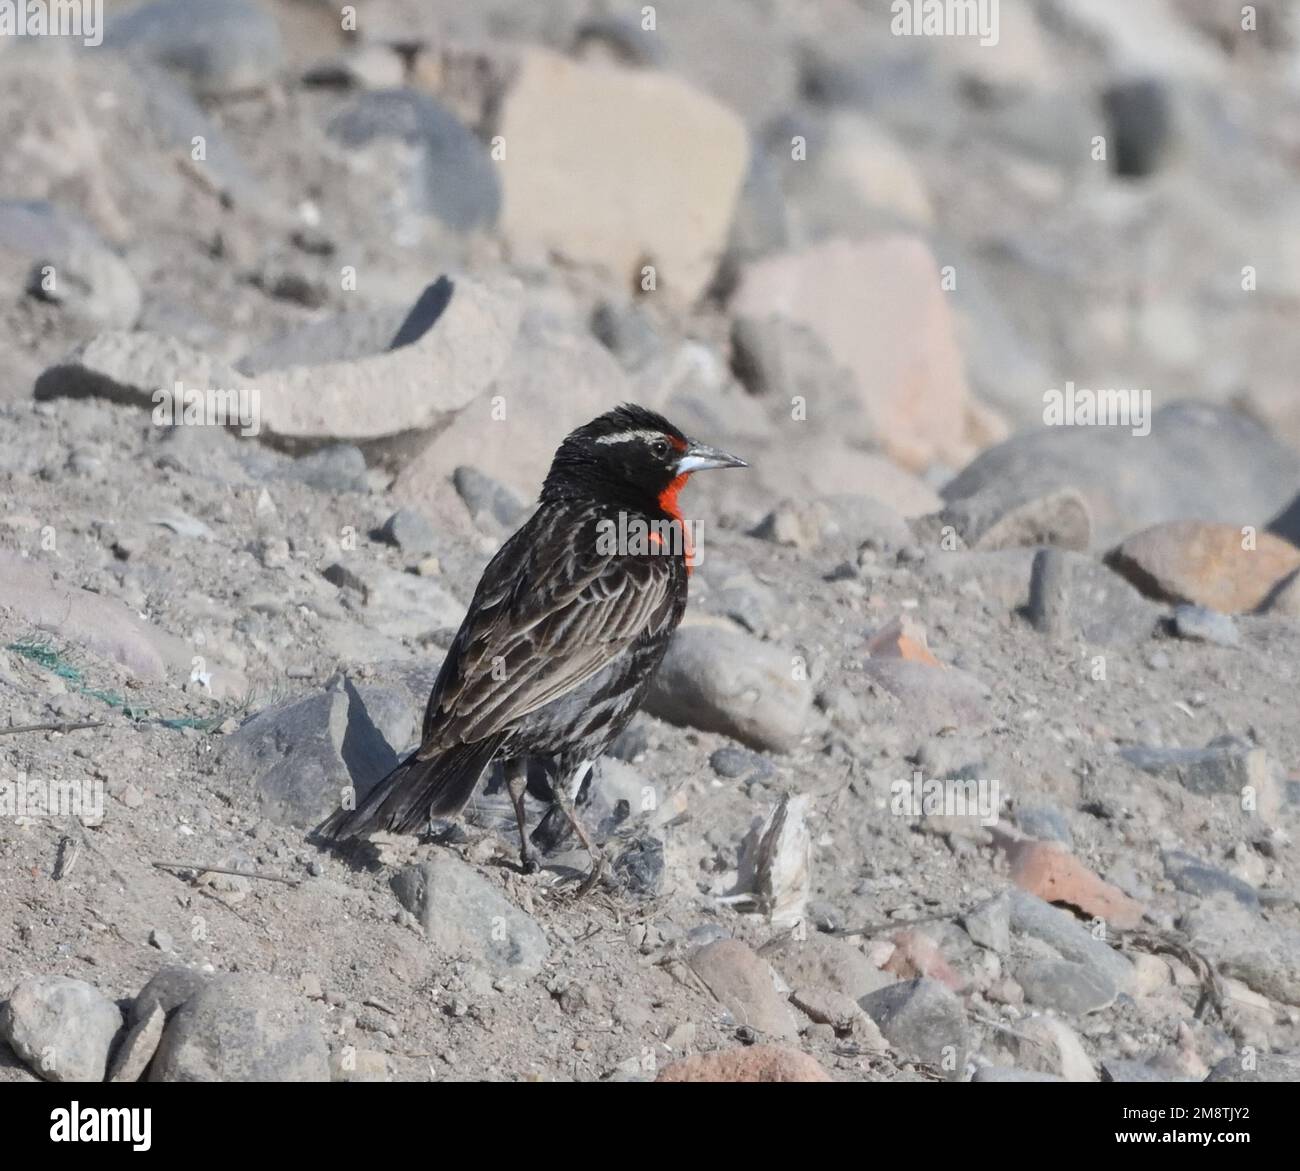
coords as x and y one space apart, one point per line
700 457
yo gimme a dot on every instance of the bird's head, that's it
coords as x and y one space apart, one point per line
633 456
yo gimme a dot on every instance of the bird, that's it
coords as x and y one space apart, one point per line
568 623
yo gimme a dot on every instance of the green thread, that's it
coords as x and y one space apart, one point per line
44 655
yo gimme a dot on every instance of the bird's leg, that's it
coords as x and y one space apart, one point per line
517 783
565 802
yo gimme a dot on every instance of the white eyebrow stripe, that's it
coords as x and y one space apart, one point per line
626 436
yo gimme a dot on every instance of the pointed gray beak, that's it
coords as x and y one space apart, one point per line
700 457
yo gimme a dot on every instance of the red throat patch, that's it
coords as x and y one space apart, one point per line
668 502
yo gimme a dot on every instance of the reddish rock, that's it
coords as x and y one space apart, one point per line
903 638
915 954
1050 871
1213 565
758 1063
879 307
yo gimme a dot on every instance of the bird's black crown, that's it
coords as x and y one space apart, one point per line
628 456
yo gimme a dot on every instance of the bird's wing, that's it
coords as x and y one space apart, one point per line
554 607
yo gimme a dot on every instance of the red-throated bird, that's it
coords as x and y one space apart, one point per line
567 626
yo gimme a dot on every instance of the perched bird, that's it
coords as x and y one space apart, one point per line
568 624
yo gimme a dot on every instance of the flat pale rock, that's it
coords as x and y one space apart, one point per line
381 400
138 1047
1211 565
619 168
743 983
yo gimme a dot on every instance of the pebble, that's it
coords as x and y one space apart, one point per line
1067 987
138 1047
411 532
462 912
731 763
1202 625
1196 877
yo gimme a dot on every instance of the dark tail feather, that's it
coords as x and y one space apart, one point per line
415 791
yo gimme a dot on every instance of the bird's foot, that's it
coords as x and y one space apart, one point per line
594 876
528 864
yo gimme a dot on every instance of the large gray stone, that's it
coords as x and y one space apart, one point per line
62 1029
54 255
241 1028
1033 917
924 1020
1199 462
303 756
218 46
1066 986
722 680
168 990
456 179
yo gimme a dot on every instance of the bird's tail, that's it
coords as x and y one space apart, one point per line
416 790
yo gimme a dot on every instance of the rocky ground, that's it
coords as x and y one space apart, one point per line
418 252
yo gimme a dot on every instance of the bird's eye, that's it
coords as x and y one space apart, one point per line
659 447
